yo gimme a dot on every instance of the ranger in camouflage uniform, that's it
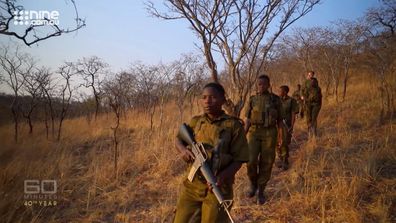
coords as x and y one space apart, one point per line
262 121
312 96
297 94
196 202
289 109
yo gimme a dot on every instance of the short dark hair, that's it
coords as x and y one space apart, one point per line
264 77
218 87
311 71
285 88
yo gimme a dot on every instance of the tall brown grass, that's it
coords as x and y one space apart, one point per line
347 174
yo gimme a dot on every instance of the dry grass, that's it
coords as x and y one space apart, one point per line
348 174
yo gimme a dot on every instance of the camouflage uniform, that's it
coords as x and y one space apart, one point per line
264 113
297 96
196 203
313 103
289 107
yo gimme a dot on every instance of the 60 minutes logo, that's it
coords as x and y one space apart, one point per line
40 192
35 187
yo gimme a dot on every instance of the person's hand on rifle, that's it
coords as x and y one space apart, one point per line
186 154
227 176
222 177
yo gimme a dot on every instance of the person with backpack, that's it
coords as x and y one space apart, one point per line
297 96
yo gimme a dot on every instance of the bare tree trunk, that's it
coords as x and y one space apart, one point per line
60 128
344 90
115 141
161 111
97 102
381 118
152 113
46 121
16 122
29 118
346 77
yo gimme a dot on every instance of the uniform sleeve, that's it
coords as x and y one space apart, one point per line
249 108
239 146
294 106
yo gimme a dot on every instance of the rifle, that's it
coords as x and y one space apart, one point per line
291 133
200 163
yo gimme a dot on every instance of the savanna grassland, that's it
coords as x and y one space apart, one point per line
347 174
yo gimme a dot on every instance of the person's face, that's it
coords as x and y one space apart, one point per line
282 92
212 101
310 75
262 85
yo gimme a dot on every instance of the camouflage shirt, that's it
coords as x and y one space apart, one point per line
289 106
264 109
229 129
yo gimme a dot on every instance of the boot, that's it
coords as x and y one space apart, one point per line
260 196
252 190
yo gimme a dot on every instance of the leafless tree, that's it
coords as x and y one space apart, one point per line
238 31
189 73
147 85
349 36
380 43
116 91
12 10
301 43
33 85
91 70
48 87
329 55
66 71
15 65
164 89
383 16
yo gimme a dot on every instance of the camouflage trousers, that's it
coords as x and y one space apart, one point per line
312 112
262 142
197 204
283 149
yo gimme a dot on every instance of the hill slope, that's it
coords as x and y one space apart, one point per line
348 174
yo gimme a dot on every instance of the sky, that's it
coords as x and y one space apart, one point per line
122 32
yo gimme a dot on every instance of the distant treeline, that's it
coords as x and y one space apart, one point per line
76 108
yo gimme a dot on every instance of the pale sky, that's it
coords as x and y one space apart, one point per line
122 32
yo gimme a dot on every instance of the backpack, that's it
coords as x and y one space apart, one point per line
315 95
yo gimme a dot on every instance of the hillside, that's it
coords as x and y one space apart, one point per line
348 174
